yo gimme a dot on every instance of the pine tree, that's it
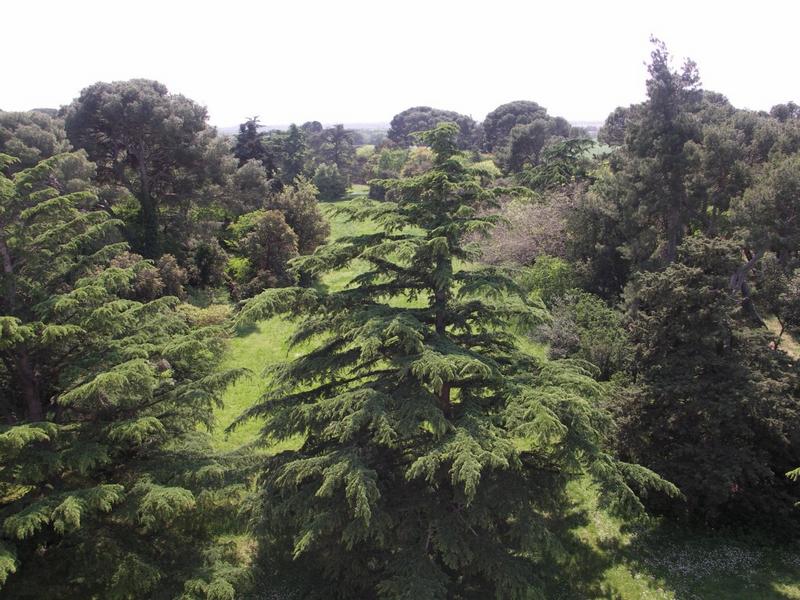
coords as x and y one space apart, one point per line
653 166
293 154
251 144
108 489
717 411
435 451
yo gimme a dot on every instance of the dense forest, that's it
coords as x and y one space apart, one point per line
454 360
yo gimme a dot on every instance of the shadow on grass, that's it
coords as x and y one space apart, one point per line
701 565
245 330
580 573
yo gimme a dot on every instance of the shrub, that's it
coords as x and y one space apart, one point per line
212 315
301 211
584 327
147 283
420 159
330 182
173 275
264 243
549 277
532 228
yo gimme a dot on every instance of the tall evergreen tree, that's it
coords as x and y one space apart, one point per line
654 164
435 452
717 412
338 148
293 154
252 144
107 487
144 139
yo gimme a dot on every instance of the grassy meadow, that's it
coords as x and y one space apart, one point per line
616 560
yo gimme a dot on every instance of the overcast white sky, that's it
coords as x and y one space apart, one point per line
364 61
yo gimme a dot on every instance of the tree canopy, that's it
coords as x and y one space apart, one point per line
144 139
434 448
422 118
107 486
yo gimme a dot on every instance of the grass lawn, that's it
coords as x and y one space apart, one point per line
614 561
657 560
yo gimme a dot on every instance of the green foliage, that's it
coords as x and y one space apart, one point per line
292 153
336 147
612 133
549 278
583 327
252 144
206 263
561 163
498 124
766 209
300 209
422 118
249 188
330 182
30 137
419 160
655 163
435 453
717 412
385 164
267 243
102 486
144 139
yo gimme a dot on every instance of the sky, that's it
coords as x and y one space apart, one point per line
359 61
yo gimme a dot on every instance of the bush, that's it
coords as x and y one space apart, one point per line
532 228
265 243
549 278
385 164
300 208
420 159
584 327
173 276
214 314
147 283
330 182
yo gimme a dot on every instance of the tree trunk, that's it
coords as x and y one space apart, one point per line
8 270
440 307
148 210
738 284
673 239
444 401
26 377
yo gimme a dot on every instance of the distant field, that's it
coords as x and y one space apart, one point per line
615 561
